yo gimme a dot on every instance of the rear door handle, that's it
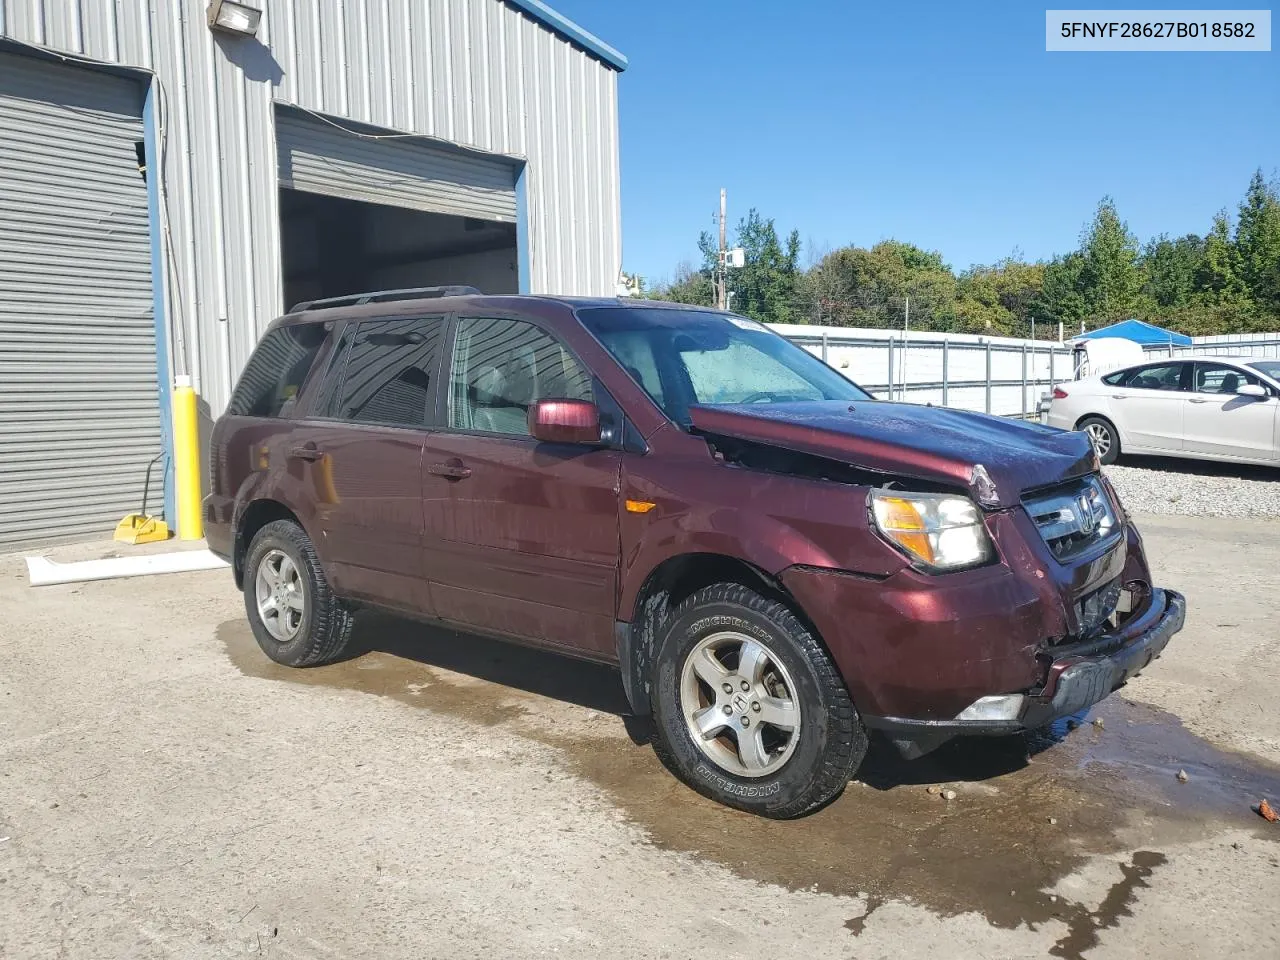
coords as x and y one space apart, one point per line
453 469
305 451
1118 396
1196 400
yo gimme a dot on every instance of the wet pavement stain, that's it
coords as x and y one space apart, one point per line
376 672
1083 926
1029 810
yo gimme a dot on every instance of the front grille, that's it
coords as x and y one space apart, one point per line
1073 517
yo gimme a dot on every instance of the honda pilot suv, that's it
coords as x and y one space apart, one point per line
776 561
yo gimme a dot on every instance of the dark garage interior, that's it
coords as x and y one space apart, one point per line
331 247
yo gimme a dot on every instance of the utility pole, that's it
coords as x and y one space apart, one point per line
722 288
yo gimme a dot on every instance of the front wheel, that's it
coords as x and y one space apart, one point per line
1102 434
749 709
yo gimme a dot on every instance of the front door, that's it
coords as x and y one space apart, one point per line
522 536
359 455
1148 408
1217 420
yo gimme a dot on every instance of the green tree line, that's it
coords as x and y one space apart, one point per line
1226 281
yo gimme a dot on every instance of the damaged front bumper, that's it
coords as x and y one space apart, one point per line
1078 677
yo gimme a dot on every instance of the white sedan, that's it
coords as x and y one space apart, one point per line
1210 408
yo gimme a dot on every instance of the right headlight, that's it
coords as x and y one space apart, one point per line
939 531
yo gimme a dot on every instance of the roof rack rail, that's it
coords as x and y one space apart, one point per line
383 296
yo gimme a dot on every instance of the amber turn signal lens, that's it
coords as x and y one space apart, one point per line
939 531
902 523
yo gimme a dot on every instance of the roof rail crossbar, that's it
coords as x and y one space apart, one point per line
383 296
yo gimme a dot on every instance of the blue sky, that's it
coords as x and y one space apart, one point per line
943 124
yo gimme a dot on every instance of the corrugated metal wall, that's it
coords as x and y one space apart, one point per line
79 410
475 72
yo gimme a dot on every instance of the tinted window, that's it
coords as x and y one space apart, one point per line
1166 376
687 357
277 370
500 367
387 378
1217 378
1117 379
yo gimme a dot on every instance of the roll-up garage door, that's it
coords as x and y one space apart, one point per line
79 405
318 157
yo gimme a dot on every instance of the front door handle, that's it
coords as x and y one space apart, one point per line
453 469
305 451
1196 400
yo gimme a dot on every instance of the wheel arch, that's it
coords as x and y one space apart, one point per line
257 514
1096 416
665 586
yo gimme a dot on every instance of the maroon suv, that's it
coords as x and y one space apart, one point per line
776 561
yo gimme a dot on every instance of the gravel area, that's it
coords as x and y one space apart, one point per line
1195 489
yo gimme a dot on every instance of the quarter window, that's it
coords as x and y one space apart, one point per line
500 367
388 374
274 376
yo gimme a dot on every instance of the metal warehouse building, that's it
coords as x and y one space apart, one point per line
169 183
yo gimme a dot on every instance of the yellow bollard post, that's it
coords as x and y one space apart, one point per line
186 460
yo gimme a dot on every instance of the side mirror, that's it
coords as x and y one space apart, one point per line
1251 390
564 421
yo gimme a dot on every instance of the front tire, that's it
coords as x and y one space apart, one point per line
749 709
1104 437
295 617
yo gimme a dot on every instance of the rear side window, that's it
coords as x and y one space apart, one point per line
1167 376
274 376
389 372
1117 379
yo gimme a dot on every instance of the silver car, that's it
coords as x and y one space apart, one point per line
1207 408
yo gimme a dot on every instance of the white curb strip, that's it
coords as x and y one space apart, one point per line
44 571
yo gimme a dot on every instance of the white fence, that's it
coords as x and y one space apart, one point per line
1000 375
1231 344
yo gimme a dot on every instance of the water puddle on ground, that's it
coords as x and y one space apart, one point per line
1028 811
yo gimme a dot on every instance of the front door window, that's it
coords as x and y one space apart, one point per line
500 367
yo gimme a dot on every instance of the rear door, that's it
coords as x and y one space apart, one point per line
1148 408
522 535
1218 421
357 456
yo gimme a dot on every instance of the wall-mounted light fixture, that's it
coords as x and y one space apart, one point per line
229 16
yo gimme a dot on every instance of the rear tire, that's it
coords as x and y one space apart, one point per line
776 733
1104 437
295 617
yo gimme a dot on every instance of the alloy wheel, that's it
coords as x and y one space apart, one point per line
1100 437
739 704
279 594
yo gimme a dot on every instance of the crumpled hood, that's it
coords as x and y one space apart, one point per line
931 443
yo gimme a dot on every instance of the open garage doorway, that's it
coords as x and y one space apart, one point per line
332 247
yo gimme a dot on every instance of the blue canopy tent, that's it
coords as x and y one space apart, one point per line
1139 332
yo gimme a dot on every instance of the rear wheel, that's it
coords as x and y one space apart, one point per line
295 617
749 709
1102 434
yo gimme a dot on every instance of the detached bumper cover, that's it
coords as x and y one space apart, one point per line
1080 677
